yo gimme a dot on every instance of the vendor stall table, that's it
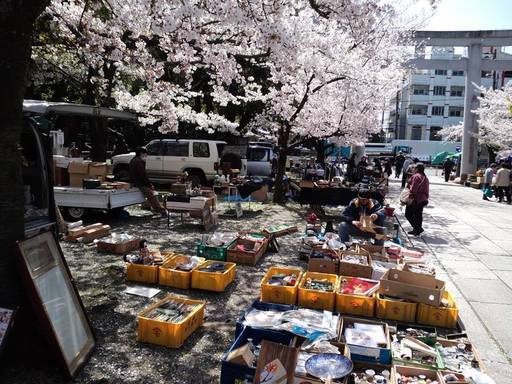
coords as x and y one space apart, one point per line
206 213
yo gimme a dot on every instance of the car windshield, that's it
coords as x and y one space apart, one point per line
257 154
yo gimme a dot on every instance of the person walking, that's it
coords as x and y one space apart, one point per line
448 168
488 175
503 183
399 163
139 179
351 167
418 185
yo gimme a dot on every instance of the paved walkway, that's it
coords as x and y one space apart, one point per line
471 241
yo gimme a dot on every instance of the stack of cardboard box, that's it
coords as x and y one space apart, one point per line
78 171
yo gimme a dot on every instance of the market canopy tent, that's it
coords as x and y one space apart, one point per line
440 157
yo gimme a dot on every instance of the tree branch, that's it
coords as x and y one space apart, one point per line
333 80
303 101
318 9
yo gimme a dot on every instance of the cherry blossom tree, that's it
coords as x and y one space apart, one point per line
324 66
494 116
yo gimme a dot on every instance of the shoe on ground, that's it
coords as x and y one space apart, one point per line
485 198
411 233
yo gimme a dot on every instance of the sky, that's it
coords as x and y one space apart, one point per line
453 15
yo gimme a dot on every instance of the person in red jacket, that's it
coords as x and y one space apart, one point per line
418 184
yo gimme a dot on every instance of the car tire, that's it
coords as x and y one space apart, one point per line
75 213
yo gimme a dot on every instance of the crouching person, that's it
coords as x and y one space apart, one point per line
351 224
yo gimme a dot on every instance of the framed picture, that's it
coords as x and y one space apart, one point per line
56 300
6 321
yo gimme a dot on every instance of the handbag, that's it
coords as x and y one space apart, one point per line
405 196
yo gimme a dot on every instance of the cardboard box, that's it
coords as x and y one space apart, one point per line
76 180
323 265
75 233
413 371
241 356
379 355
356 270
412 286
81 168
98 170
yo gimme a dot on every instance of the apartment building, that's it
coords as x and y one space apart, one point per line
432 99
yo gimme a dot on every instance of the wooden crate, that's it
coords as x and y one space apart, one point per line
212 281
311 298
171 335
237 256
171 277
279 294
118 248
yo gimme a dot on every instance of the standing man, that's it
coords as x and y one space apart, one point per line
503 183
399 163
139 179
448 168
488 175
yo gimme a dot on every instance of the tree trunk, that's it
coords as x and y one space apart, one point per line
282 142
16 19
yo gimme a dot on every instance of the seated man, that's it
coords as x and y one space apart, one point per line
362 205
139 179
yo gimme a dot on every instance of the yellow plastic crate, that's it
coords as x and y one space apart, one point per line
171 335
145 273
395 310
212 281
445 317
310 298
279 294
171 277
354 304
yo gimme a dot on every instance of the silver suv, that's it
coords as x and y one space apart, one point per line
169 158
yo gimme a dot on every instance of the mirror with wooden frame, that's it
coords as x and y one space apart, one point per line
56 300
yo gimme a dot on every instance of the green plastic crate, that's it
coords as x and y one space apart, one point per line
213 253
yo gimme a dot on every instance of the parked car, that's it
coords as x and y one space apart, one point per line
168 159
259 161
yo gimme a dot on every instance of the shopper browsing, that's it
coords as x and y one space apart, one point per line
488 175
503 182
418 186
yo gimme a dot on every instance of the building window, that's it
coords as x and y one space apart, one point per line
486 74
419 91
416 132
418 109
440 72
457 91
457 73
456 112
439 90
437 111
434 134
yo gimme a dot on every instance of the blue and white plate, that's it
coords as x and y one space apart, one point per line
329 365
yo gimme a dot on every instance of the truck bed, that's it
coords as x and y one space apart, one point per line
97 198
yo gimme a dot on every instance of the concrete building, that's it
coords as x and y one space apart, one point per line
430 99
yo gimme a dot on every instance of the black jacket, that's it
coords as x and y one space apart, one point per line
138 176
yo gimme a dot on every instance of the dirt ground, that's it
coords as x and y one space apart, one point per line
118 357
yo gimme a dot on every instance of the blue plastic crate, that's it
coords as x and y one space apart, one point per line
262 306
231 372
